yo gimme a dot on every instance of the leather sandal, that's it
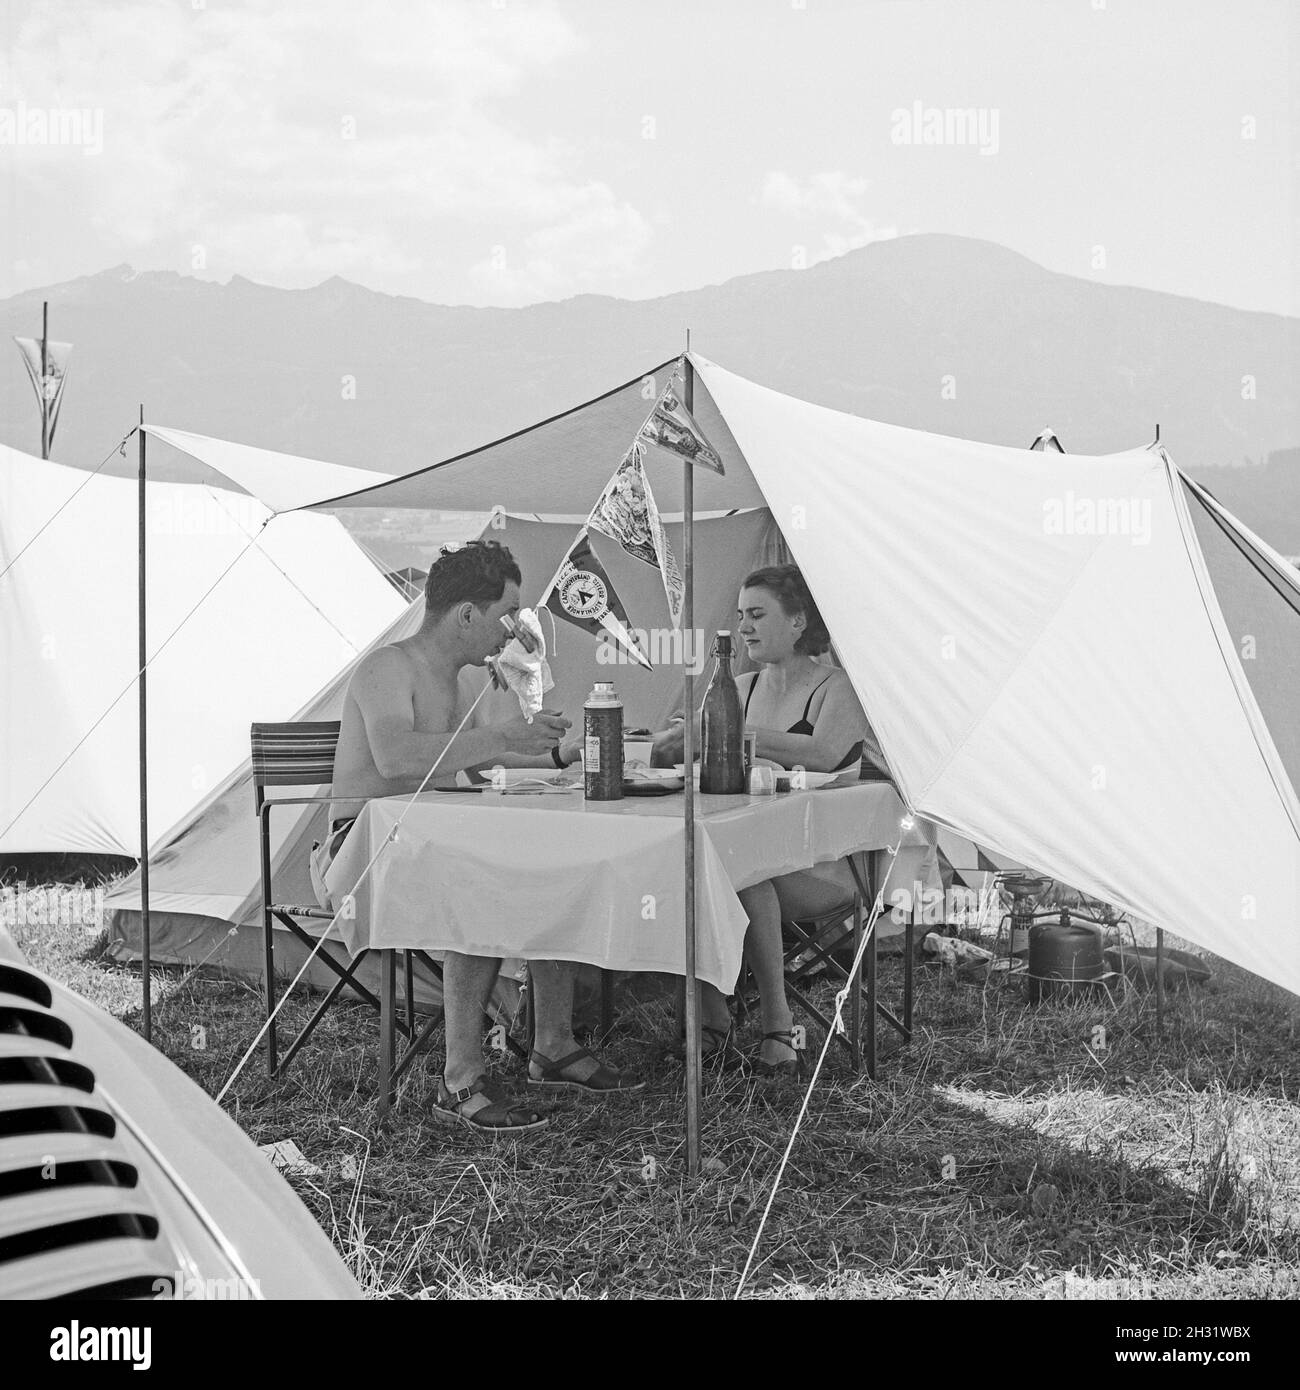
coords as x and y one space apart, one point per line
723 1056
793 1066
500 1117
604 1081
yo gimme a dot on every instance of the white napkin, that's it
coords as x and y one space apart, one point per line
526 672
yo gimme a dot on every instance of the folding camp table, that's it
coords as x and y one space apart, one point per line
557 877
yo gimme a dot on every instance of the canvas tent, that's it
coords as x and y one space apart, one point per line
1047 650
247 616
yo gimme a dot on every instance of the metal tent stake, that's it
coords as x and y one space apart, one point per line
692 1010
145 962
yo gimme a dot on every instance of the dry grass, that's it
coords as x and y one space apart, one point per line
1009 1152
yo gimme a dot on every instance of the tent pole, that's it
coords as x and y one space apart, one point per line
692 1012
45 367
1160 980
145 962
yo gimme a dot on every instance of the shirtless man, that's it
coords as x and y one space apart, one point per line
403 705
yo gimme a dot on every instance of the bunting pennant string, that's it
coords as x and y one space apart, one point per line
48 388
626 512
582 593
671 426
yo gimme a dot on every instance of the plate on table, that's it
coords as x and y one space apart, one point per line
808 781
518 780
784 779
651 781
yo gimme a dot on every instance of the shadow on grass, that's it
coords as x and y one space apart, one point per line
1005 1150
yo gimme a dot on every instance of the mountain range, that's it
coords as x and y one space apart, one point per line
941 333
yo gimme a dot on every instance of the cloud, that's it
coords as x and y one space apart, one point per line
291 142
832 198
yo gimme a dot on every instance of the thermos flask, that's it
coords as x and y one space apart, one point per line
603 744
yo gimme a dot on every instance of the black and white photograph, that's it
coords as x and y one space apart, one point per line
650 653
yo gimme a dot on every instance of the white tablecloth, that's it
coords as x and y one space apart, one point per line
560 878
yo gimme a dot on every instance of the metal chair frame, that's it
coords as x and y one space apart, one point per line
302 754
812 934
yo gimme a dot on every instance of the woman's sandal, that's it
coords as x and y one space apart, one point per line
723 1056
794 1066
500 1117
604 1081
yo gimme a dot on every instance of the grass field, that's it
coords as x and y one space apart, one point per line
1008 1152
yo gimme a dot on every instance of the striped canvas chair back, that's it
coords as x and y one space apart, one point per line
293 755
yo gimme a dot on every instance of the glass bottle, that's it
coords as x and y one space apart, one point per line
722 732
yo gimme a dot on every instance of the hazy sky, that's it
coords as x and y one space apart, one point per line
509 151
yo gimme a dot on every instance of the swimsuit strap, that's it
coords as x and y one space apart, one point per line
800 726
808 706
804 726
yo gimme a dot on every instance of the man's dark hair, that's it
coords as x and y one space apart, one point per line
786 585
476 572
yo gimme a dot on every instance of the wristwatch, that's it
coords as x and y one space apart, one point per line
556 758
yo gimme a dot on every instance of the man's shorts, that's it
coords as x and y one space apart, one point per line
322 856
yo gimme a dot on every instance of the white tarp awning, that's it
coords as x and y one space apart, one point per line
283 482
1043 659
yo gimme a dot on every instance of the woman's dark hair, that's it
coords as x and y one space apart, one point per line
786 584
475 572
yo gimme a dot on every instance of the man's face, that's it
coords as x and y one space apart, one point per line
488 633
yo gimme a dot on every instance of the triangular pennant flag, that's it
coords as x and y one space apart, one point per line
50 391
583 594
626 513
671 426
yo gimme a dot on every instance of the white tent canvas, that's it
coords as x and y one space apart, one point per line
247 616
1046 663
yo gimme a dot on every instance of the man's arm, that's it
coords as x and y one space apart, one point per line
491 709
570 752
382 690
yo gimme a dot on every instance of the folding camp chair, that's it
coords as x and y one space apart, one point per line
302 755
810 948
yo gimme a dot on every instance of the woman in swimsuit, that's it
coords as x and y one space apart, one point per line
805 714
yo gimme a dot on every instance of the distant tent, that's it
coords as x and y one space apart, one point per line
247 615
1048 442
408 581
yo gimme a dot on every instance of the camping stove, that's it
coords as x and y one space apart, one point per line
1025 890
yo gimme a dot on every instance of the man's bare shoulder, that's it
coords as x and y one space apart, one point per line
385 669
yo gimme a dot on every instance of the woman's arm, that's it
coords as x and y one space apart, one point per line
669 742
840 724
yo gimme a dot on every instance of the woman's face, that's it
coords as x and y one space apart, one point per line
767 633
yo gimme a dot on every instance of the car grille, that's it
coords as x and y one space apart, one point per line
74 1219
